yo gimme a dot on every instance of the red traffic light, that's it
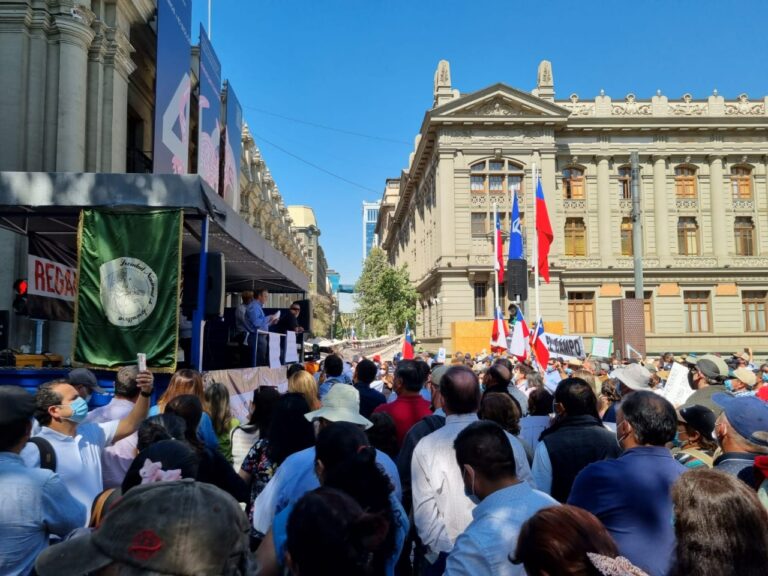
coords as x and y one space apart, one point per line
20 287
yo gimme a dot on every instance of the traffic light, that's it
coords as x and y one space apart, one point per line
20 296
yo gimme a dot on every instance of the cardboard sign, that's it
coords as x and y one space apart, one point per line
602 347
677 390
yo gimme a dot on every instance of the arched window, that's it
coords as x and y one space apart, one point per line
573 183
741 182
685 182
625 183
575 237
626 237
744 234
495 176
688 236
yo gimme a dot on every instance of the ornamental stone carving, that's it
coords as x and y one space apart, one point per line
579 263
574 205
739 204
497 107
695 262
743 107
687 107
631 107
579 108
687 204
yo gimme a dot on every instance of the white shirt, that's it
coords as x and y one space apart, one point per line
441 510
78 459
118 457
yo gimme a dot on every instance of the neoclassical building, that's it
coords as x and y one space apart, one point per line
704 188
77 95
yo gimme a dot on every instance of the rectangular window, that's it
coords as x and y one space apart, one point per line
744 233
626 237
685 182
647 309
479 223
741 183
496 183
688 236
754 304
477 183
581 312
481 291
697 311
575 237
573 183
625 183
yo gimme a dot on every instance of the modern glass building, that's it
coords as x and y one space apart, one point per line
370 215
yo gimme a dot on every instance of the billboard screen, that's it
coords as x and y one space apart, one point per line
234 130
172 87
209 125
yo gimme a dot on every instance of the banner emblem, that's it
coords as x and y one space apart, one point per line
128 291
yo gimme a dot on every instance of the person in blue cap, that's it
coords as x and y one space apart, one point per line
740 432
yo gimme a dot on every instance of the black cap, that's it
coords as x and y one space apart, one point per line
700 418
16 404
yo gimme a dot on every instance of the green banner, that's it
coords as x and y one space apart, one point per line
129 267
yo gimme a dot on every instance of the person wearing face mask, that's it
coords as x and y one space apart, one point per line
631 495
762 383
742 383
740 432
694 443
85 383
79 447
487 463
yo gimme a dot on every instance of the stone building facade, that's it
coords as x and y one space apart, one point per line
77 95
704 187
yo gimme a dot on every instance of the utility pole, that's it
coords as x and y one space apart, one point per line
637 225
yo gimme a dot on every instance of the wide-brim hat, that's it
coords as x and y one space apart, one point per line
341 404
634 376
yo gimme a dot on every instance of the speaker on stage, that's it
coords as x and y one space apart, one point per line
516 279
214 292
305 316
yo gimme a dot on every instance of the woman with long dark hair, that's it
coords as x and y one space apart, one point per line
260 416
345 461
213 468
720 526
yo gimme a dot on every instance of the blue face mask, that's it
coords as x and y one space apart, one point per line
765 376
676 441
79 410
470 493
729 385
568 371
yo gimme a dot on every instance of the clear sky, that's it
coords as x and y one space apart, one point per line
367 66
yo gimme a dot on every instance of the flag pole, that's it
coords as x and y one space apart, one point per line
496 260
536 245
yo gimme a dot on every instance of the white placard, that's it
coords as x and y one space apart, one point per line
440 356
291 355
274 350
602 347
677 390
565 346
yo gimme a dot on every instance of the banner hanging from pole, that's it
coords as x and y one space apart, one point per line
128 288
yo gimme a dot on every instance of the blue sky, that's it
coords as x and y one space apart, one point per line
367 66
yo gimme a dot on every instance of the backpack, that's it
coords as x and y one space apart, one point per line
47 453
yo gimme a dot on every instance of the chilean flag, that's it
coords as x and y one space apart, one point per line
543 232
499 264
539 346
408 343
500 332
520 336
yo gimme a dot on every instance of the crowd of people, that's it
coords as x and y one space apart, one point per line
480 465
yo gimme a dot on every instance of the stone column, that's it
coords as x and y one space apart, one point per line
447 204
605 237
118 66
717 207
14 70
661 208
75 36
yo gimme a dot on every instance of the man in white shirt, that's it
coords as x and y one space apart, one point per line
487 465
117 458
441 509
78 447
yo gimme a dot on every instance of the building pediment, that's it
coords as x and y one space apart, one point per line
500 102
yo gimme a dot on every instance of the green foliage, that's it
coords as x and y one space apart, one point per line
385 296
